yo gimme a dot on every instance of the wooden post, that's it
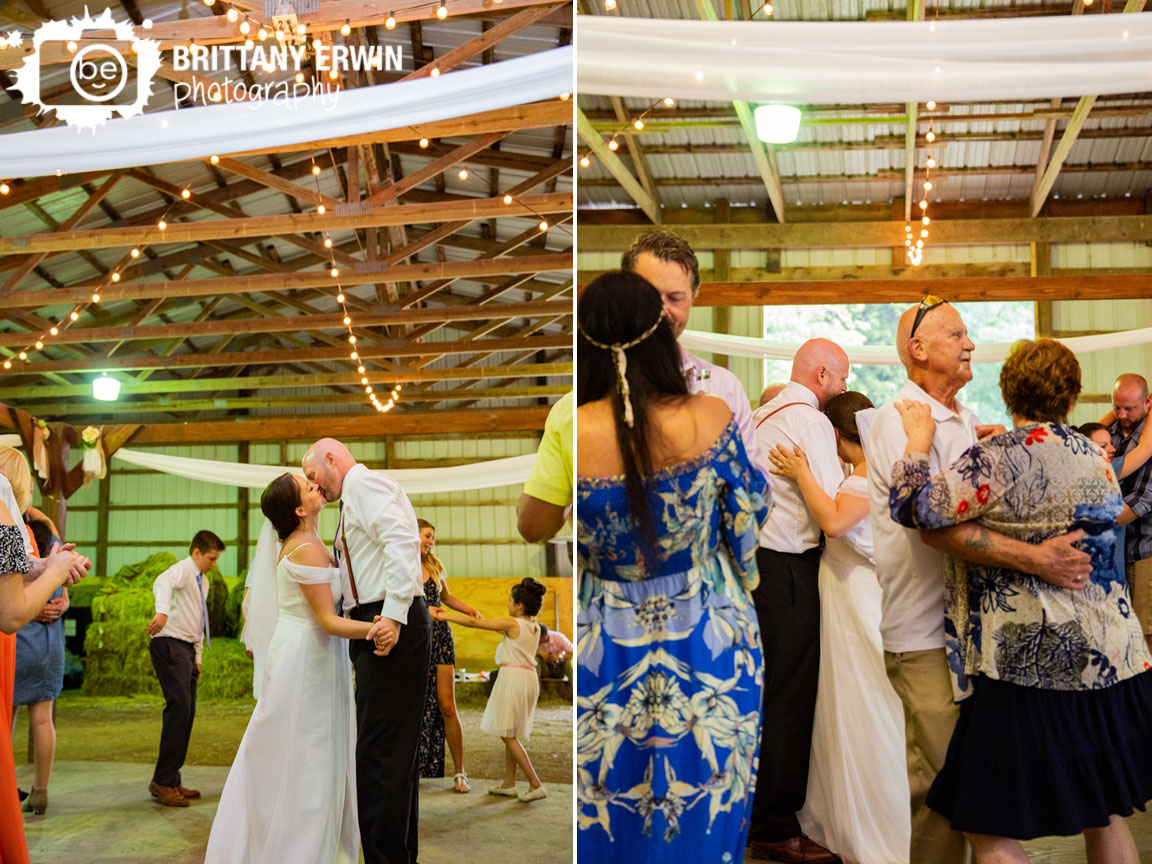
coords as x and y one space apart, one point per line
242 517
54 489
1042 266
721 272
102 525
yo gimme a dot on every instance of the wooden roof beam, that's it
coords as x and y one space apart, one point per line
225 229
617 168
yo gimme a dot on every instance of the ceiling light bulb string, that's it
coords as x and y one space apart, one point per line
341 298
114 276
436 9
914 241
636 123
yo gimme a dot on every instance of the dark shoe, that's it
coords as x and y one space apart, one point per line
22 794
188 793
169 795
795 850
37 801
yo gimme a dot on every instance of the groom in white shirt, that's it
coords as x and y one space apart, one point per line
378 549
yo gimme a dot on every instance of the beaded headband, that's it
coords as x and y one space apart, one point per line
618 349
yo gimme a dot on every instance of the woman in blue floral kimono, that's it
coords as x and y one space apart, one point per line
1055 728
670 679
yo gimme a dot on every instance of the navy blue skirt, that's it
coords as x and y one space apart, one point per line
1025 762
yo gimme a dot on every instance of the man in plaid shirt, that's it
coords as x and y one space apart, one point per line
1131 402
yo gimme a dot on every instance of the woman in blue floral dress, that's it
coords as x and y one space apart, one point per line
1055 728
670 678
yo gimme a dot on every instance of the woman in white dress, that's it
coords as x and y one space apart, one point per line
290 797
857 802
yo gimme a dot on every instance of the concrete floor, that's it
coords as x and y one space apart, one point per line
101 813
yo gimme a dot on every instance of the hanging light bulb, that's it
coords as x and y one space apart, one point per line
543 224
115 277
4 189
507 199
301 29
442 11
769 8
435 73
585 161
249 44
23 355
321 209
54 331
347 320
335 271
931 162
930 137
927 185
232 15
923 232
95 298
613 146
328 244
185 194
609 5
352 339
669 102
105 389
339 298
316 170
135 253
930 105
923 204
245 26
639 124
162 225
463 175
423 143
7 364
75 316
39 345
926 221
333 73
261 34
390 21
72 46
346 28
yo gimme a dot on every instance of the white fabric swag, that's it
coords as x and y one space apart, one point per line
885 355
197 133
512 471
850 62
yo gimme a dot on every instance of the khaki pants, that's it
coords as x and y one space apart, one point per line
1140 585
921 680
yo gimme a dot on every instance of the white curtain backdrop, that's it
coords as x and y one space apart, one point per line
748 346
512 471
853 61
197 133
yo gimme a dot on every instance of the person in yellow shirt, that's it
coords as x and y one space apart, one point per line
547 497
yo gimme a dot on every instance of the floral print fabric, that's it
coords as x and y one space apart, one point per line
670 683
1032 483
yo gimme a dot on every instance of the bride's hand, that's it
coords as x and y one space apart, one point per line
382 635
785 464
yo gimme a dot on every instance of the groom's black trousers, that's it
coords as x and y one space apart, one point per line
389 710
788 606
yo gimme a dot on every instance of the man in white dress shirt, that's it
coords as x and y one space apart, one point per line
378 550
788 601
934 347
668 262
178 631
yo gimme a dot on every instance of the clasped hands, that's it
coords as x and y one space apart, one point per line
61 561
385 632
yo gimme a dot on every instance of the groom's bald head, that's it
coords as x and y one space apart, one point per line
325 464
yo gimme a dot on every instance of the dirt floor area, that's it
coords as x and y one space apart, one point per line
127 729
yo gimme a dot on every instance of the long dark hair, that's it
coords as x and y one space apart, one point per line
616 307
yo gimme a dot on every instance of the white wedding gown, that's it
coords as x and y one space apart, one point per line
857 802
290 797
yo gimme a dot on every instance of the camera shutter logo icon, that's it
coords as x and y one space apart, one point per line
110 70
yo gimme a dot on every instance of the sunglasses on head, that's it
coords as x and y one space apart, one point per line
929 303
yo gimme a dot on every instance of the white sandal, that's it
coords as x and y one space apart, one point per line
461 778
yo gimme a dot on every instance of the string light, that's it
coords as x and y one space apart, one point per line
390 22
639 124
613 146
435 73
463 175
585 161
442 11
543 224
321 209
564 97
185 194
261 34
245 26
423 143
346 28
507 199
72 46
669 102
4 189
232 15
609 5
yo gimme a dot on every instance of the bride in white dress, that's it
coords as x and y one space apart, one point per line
857 802
290 797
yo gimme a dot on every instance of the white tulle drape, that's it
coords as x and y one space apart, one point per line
197 133
850 62
884 355
261 603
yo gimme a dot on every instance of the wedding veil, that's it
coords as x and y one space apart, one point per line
261 603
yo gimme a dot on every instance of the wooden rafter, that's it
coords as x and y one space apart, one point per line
617 168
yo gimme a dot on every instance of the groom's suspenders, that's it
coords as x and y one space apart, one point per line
348 560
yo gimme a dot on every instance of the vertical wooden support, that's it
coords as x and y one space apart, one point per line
721 272
389 451
242 515
1042 266
54 489
102 525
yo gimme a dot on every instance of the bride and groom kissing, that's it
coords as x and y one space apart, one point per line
310 781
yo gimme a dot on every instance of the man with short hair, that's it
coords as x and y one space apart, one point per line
668 262
378 552
179 631
932 343
1131 403
788 601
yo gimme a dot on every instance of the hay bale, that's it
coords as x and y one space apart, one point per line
117 660
143 572
82 593
233 618
226 672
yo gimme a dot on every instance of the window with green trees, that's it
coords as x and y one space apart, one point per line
875 324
